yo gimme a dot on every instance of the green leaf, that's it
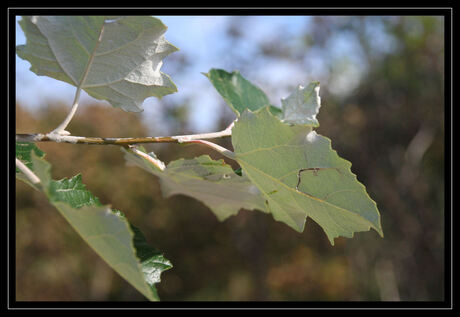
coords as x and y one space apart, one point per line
212 182
23 150
152 261
72 191
302 105
238 93
106 231
272 153
117 59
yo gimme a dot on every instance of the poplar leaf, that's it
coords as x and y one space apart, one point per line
272 153
117 59
213 182
106 230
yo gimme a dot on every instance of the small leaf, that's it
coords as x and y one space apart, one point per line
273 153
302 105
238 93
106 230
116 59
212 182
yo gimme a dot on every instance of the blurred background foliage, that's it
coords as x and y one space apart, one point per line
383 109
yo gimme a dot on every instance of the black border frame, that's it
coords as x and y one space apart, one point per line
445 10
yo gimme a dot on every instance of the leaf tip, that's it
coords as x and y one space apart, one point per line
379 231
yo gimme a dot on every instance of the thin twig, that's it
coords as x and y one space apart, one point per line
128 142
51 137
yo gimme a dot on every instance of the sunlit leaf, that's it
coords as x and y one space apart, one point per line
302 105
272 153
116 59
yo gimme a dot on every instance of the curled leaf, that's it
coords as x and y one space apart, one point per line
213 182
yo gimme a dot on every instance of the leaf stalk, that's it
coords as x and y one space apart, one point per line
60 130
27 172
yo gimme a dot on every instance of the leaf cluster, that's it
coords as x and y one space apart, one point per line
286 168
